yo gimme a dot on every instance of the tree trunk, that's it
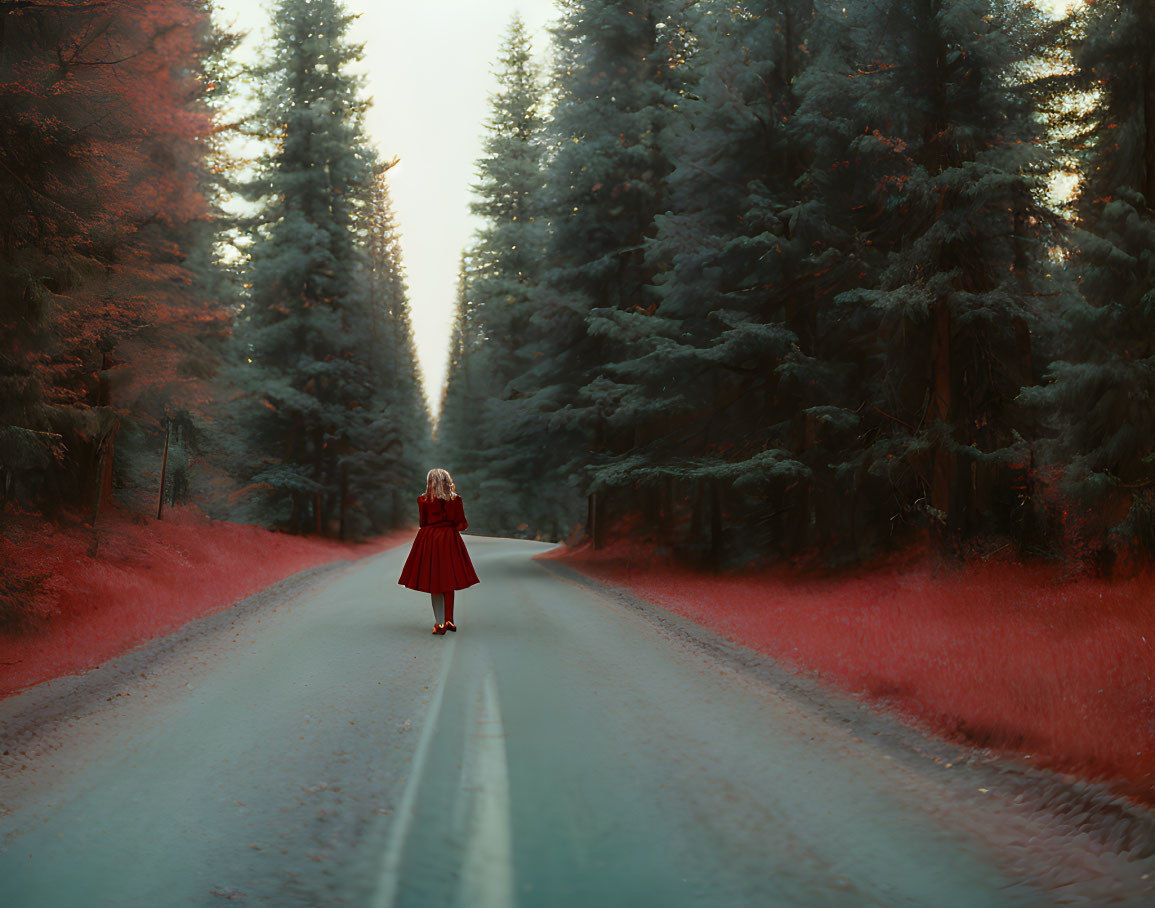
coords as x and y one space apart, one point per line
1023 348
697 517
163 469
827 529
318 474
804 527
104 471
942 474
934 154
666 510
343 493
373 301
593 519
296 517
652 508
715 525
1149 132
103 393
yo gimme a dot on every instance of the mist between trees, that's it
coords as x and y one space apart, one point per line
756 280
791 279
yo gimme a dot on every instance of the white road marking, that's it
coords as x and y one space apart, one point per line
486 879
386 892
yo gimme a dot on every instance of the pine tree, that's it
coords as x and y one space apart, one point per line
1098 397
464 396
507 196
390 443
706 370
186 407
496 302
306 310
925 132
615 85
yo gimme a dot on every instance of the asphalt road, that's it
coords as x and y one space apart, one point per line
318 746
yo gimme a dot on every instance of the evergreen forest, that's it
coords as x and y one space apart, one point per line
812 281
787 279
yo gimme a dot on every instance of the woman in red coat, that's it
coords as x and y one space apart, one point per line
438 563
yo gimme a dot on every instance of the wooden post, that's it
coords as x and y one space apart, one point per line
163 468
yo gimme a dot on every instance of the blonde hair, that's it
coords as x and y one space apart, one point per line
439 484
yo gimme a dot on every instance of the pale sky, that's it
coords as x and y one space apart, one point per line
428 68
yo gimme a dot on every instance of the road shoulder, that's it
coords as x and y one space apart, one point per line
1088 835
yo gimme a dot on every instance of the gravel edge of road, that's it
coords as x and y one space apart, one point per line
43 706
1112 820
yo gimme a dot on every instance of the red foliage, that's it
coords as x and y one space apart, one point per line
997 655
102 108
146 579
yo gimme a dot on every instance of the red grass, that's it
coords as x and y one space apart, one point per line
996 654
145 580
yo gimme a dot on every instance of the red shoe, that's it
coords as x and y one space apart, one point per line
439 628
449 626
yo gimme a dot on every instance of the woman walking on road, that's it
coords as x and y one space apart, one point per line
438 563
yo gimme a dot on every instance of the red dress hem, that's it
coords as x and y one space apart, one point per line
438 561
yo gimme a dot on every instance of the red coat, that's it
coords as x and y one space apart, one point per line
438 561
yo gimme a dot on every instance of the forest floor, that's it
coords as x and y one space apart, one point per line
1016 659
72 597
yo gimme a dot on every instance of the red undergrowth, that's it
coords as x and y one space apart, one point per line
999 655
72 605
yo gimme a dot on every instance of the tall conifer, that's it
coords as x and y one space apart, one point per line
717 416
306 314
922 114
615 86
392 439
466 392
496 303
1098 397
